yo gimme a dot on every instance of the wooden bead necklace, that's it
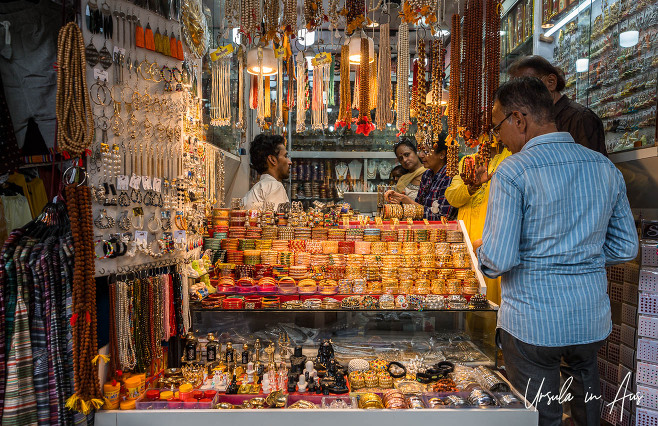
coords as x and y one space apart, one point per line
313 14
289 22
364 125
271 17
241 123
437 88
384 114
75 123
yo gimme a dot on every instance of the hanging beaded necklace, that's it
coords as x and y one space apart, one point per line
345 109
421 94
453 96
220 99
302 95
403 79
384 114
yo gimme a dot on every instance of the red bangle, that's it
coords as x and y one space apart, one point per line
252 302
233 303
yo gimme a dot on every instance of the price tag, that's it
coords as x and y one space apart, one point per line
157 184
321 58
346 222
135 181
280 52
100 74
396 222
122 182
141 237
378 221
222 52
426 222
410 221
180 237
146 183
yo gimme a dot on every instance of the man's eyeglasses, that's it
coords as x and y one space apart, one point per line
496 129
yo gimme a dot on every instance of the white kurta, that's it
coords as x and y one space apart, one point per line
267 189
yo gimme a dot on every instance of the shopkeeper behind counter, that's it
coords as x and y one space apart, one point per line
433 184
269 158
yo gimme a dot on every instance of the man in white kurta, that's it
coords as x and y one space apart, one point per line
269 158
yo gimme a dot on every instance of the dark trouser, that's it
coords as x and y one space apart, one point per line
533 369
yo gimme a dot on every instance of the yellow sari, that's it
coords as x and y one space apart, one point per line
406 179
473 211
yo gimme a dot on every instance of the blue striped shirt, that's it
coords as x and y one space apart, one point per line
557 215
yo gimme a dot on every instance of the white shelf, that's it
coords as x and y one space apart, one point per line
283 417
341 154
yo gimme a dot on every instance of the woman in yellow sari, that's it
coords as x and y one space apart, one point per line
406 153
471 200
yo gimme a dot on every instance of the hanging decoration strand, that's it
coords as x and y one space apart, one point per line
75 122
302 87
403 79
384 114
345 109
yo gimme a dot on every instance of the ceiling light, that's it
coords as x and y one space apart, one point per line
355 48
582 65
269 61
629 38
373 24
306 38
568 18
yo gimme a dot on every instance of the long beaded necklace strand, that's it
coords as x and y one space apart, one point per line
250 17
85 352
384 114
75 122
313 14
453 96
364 124
289 22
355 15
261 111
421 89
279 92
318 104
345 109
302 87
437 79
403 79
271 16
372 75
413 106
241 123
232 12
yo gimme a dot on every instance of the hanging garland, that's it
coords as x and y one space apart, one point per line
250 18
289 22
345 109
355 15
302 91
402 79
384 114
313 14
453 96
364 125
232 12
491 72
220 99
271 18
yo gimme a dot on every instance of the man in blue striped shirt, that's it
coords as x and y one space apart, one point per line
558 214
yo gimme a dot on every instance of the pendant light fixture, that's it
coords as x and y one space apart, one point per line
269 61
355 48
